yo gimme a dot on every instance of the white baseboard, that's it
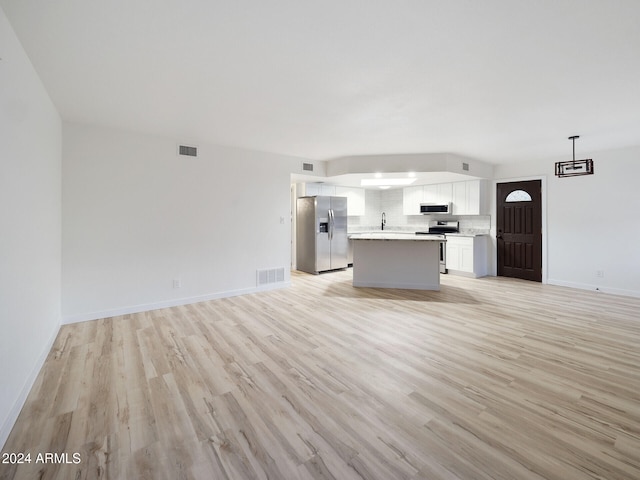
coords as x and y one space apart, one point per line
598 288
11 418
460 273
84 317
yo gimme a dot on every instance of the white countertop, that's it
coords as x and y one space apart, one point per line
359 234
463 234
396 236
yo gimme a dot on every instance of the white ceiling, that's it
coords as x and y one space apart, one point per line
495 80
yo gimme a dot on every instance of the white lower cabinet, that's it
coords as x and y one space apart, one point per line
467 255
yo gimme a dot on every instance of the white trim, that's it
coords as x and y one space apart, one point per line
597 288
13 414
462 273
83 317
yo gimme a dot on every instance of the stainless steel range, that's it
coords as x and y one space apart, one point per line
442 227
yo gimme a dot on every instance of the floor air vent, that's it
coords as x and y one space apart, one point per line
271 275
188 151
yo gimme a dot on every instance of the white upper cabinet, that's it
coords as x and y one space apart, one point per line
355 199
313 189
459 198
430 194
475 197
440 193
355 196
444 193
412 197
469 198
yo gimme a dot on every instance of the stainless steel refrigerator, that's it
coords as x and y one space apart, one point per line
321 234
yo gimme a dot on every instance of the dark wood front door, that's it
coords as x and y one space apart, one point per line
519 229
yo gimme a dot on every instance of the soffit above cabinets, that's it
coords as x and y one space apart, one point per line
354 179
423 169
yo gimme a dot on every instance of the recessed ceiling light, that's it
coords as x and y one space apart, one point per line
376 182
384 187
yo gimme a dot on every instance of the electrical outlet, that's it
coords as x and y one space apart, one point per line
177 283
600 273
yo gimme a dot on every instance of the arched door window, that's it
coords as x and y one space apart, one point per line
518 196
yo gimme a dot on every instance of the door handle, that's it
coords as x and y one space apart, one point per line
330 224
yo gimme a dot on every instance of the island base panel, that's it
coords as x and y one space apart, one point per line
396 264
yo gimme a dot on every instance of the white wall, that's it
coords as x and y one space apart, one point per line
592 221
30 163
136 216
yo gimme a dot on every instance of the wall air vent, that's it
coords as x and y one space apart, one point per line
308 167
465 166
271 275
187 151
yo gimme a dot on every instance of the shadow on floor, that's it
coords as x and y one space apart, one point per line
447 294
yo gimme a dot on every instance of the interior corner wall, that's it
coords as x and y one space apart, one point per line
30 216
591 221
137 217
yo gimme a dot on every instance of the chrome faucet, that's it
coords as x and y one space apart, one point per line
384 221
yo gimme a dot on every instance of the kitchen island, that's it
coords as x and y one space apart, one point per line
396 260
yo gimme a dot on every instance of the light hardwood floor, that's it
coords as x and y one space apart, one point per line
487 379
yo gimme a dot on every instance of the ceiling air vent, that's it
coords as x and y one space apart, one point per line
188 151
465 166
307 167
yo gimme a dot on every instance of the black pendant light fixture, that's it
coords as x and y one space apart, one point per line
574 167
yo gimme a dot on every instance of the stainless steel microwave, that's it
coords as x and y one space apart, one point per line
427 208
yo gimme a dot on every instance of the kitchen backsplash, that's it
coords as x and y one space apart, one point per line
390 202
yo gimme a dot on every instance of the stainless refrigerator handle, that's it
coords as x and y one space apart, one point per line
330 224
333 223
